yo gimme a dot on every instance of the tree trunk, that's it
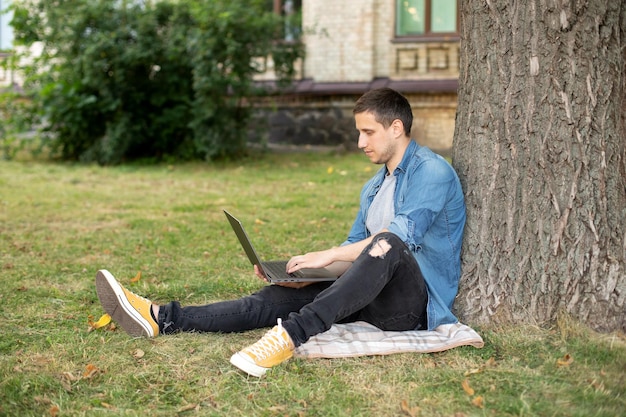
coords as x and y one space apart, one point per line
540 148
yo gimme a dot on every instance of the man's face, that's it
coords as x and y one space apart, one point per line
377 142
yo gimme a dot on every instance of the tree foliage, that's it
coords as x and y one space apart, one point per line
122 80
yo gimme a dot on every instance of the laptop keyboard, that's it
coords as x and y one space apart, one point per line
278 269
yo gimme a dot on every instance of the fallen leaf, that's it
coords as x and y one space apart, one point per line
137 277
138 353
66 385
188 407
102 321
90 371
277 408
258 221
478 402
466 387
565 360
41 360
473 371
42 400
491 362
69 376
53 411
409 411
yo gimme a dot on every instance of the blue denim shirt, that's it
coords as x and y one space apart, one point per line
429 217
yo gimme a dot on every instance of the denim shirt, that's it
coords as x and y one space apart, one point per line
429 217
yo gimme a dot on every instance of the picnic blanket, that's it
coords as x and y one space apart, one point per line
363 339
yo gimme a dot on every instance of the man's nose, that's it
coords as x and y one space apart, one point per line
362 142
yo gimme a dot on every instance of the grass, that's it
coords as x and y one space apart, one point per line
60 223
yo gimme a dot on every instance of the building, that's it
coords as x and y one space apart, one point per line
6 42
356 45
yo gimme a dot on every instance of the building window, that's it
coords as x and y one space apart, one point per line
6 31
291 11
416 18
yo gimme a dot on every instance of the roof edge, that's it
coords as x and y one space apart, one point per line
308 86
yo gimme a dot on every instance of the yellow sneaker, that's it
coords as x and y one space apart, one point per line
273 348
129 310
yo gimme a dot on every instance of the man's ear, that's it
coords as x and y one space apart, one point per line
398 128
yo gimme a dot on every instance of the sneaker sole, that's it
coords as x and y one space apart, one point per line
116 305
248 367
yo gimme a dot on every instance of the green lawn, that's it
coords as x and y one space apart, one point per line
60 223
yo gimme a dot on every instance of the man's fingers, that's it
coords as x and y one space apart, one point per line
259 273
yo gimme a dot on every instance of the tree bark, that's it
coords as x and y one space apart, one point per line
540 148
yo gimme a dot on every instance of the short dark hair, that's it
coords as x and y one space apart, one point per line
387 105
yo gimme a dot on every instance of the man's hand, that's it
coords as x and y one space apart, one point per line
258 271
319 259
338 259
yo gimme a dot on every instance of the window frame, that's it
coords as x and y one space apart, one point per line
427 36
279 10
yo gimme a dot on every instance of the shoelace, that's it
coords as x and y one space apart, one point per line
270 343
137 296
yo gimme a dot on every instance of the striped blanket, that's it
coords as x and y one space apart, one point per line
363 339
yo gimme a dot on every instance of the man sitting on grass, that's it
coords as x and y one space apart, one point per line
398 269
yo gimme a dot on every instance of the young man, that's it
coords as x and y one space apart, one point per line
399 267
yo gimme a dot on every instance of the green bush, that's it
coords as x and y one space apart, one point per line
16 116
120 81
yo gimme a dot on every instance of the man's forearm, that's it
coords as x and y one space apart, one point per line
339 267
349 253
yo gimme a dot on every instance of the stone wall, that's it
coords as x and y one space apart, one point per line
330 124
313 124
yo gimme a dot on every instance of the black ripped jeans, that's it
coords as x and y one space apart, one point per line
384 287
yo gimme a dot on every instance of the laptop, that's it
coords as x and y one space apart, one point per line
276 271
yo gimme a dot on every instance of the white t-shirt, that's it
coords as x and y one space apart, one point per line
381 211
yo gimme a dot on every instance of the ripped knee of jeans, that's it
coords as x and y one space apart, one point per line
379 248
